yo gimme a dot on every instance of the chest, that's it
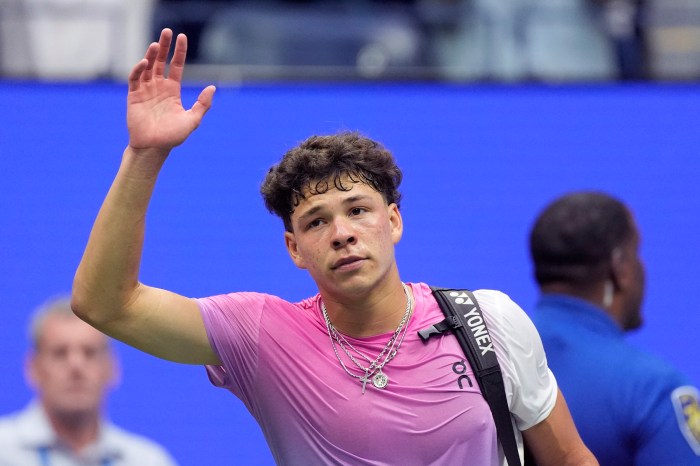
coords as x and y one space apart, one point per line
431 394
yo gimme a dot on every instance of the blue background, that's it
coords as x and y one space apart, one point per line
479 162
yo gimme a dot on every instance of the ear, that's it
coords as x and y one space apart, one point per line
618 268
291 243
396 222
31 373
114 369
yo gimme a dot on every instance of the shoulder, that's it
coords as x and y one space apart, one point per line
22 429
511 328
644 372
245 306
504 316
9 424
12 446
530 386
242 299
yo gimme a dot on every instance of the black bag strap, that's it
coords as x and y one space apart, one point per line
464 317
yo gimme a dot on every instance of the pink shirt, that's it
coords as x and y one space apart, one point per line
278 359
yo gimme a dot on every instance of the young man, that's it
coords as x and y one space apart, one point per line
630 407
339 378
71 367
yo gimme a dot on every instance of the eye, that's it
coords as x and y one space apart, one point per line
90 353
357 210
314 224
59 353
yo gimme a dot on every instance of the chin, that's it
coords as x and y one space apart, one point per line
78 406
635 324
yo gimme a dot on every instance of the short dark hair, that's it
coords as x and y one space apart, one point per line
573 239
323 162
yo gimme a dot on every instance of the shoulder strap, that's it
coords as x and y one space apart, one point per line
463 316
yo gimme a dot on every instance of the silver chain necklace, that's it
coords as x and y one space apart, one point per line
374 370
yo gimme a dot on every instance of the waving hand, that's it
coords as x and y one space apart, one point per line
156 118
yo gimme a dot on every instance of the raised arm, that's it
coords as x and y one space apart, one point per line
106 288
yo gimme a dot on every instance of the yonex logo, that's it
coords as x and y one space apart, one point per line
461 298
475 322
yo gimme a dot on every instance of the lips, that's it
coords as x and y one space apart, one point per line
346 261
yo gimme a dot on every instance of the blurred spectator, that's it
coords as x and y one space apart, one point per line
299 39
71 367
519 39
623 20
674 39
458 40
72 39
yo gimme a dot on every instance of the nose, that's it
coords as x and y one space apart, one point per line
343 234
75 358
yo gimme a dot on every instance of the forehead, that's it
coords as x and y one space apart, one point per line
350 190
57 330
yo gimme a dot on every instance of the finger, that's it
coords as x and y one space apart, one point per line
177 63
150 58
166 37
203 104
135 75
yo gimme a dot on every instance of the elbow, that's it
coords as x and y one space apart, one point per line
80 304
97 305
88 303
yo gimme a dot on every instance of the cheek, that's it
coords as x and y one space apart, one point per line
310 253
385 236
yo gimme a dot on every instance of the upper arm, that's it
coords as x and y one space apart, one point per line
556 442
164 324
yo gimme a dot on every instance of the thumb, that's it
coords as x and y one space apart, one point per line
203 103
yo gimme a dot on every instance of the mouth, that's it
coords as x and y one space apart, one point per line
346 262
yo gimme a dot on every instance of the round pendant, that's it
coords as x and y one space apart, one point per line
380 380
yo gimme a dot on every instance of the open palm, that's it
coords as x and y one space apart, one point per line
156 118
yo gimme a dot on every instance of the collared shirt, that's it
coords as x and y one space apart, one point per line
27 439
630 407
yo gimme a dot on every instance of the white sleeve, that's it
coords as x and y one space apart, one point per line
530 386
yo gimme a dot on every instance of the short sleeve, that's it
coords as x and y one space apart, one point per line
531 388
232 322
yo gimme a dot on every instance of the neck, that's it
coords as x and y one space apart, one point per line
594 294
381 313
75 429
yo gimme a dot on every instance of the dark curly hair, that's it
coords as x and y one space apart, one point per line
573 239
324 162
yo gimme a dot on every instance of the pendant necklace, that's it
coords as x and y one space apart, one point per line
373 373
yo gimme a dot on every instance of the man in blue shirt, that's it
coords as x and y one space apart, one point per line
630 407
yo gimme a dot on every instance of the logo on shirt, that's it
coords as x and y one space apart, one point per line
460 368
685 402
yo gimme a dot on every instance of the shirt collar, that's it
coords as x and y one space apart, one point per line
35 432
569 309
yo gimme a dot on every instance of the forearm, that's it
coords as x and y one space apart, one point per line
106 280
556 442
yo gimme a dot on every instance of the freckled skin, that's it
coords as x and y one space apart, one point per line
346 240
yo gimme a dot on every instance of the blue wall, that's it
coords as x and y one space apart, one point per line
479 163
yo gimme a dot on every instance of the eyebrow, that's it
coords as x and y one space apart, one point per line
349 200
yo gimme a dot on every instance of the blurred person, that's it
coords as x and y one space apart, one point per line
630 407
71 367
72 39
512 40
627 23
341 377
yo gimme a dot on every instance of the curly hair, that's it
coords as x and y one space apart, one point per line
573 239
324 162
